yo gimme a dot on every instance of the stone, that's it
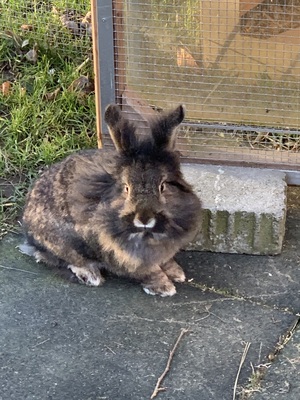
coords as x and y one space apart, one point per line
244 209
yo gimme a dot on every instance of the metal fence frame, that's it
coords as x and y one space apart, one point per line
104 59
109 66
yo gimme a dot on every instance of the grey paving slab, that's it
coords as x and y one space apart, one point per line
60 340
271 280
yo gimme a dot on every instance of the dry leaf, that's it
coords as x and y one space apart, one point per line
87 19
86 29
184 58
71 25
55 10
6 88
25 43
86 23
74 22
50 96
31 55
26 27
70 21
82 84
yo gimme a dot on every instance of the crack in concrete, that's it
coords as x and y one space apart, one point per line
235 296
259 372
280 274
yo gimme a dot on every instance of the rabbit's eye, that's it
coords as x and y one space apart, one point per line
162 187
126 189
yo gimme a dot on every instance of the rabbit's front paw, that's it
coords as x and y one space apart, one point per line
164 290
173 271
89 275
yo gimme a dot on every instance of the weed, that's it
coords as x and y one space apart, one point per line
259 372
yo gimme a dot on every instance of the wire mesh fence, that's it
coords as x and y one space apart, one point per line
46 77
235 64
63 25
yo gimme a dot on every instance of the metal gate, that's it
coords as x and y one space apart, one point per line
235 64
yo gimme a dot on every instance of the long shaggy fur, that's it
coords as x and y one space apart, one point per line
128 211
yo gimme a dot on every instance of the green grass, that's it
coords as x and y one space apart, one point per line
34 131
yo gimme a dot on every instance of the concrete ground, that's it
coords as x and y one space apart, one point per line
62 341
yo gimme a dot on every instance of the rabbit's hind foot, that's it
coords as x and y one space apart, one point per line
27 249
89 275
40 256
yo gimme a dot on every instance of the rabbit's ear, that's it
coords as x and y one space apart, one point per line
121 131
164 128
113 118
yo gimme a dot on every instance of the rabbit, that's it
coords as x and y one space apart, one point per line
127 211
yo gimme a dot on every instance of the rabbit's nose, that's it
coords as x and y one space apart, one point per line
145 223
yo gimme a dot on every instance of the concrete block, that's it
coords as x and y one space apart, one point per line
244 209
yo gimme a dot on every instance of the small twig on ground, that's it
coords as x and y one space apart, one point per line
44 341
158 388
20 270
111 350
207 308
259 353
209 313
244 355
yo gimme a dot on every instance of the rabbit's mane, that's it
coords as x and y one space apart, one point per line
147 152
146 149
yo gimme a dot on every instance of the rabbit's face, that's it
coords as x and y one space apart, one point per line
144 200
154 200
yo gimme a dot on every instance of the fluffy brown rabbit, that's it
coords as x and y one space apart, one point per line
127 211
